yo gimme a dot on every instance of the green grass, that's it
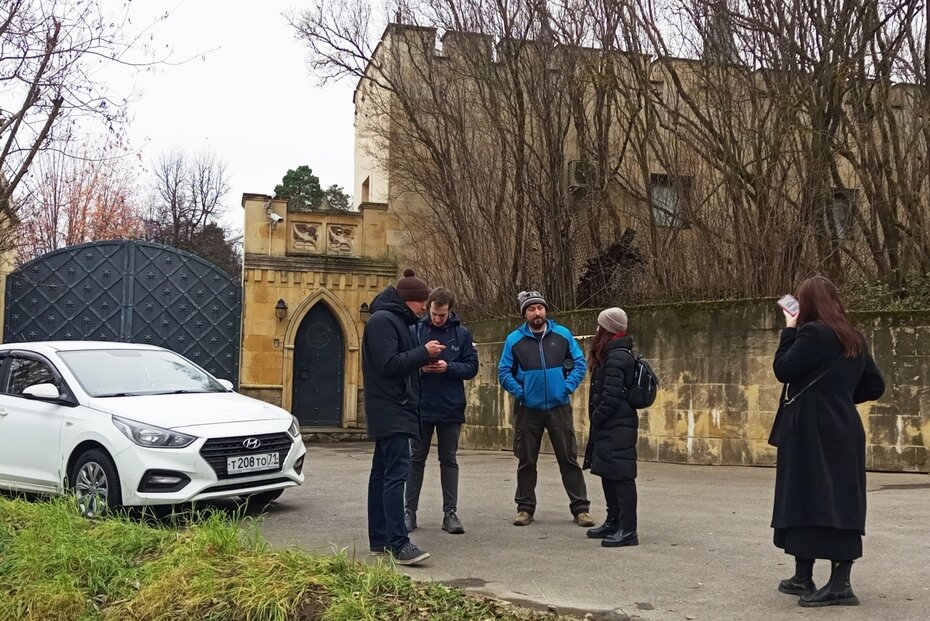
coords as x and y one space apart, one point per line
55 565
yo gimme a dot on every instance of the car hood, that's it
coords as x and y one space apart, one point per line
174 411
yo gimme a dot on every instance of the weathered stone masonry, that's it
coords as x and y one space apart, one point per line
718 395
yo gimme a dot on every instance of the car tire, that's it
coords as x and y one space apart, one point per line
262 499
95 484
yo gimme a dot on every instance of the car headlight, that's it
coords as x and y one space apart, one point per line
295 427
150 435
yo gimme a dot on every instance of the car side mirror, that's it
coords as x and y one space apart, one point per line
226 384
45 392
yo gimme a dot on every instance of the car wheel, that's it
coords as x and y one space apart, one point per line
95 483
262 499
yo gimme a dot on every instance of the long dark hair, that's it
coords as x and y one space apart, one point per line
596 355
820 300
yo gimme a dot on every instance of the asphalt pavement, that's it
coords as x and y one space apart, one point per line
705 544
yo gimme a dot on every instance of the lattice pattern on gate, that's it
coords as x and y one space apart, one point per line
129 291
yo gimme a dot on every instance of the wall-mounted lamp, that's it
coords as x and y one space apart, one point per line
364 311
280 310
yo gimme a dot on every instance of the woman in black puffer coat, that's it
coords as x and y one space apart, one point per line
611 450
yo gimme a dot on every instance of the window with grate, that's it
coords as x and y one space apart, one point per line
669 196
839 214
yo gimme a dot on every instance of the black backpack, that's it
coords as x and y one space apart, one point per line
642 392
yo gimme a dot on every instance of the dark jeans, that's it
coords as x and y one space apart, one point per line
390 466
447 436
621 501
528 431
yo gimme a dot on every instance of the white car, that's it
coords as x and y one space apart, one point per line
123 424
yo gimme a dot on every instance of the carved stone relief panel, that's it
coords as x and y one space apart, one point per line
305 237
340 239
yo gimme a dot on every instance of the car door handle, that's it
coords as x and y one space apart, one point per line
3 412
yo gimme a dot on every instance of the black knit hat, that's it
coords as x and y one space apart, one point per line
412 289
528 298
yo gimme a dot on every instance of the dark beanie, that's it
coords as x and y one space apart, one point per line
528 298
412 289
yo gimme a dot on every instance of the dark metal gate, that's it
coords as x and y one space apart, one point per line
130 291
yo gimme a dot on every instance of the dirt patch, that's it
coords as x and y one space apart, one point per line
313 606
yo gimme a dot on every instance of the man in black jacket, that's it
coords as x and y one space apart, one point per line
391 358
442 406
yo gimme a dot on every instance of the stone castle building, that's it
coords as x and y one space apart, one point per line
310 276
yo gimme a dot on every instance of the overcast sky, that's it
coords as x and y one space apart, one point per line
250 97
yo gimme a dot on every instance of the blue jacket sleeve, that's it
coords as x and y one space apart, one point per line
466 367
505 371
384 345
574 379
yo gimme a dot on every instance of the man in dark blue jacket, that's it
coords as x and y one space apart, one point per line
541 366
442 406
391 358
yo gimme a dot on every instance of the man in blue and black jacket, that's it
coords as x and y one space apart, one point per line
541 366
442 406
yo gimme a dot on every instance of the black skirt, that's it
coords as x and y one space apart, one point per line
834 544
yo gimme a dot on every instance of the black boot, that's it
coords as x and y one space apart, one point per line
802 582
610 526
620 539
837 592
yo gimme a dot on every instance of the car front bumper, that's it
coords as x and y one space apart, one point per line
133 464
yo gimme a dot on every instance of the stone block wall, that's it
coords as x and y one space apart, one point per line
718 394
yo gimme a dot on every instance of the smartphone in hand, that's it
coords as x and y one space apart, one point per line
790 304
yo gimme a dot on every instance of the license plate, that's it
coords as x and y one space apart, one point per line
251 463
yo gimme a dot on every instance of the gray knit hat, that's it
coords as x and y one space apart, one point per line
613 320
528 298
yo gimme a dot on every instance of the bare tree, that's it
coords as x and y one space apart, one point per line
644 149
189 194
187 205
800 128
73 201
480 137
51 55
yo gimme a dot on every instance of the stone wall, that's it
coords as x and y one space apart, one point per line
718 394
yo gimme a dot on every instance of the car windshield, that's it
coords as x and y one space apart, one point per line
131 372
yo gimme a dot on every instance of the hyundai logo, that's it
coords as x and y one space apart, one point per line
251 443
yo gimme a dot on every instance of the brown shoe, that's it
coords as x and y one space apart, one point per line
584 519
523 518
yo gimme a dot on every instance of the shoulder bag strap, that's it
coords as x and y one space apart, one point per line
811 383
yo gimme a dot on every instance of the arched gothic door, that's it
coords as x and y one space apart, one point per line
319 369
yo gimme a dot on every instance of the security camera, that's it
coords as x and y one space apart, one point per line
275 217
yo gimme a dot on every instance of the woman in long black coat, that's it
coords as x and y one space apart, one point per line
611 450
819 509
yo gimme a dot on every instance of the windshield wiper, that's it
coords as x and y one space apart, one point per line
180 391
122 394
